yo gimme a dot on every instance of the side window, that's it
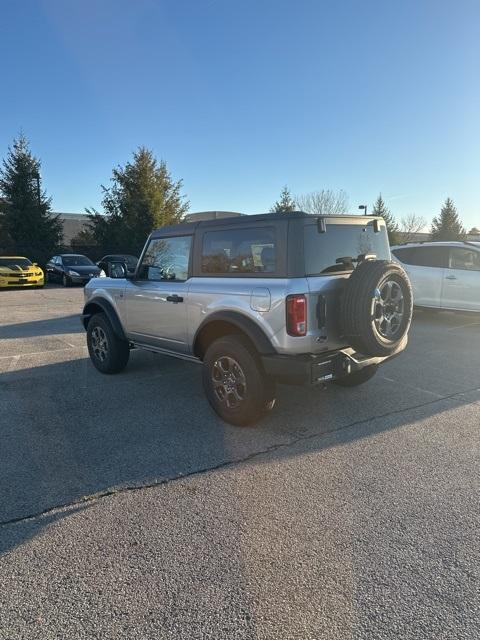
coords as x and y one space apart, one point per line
166 259
58 260
404 255
239 251
466 259
428 257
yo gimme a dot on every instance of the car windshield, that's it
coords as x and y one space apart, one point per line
15 262
340 247
77 261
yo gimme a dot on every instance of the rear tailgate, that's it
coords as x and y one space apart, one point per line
332 247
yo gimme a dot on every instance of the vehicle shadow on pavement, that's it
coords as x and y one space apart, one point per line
67 431
35 328
18 533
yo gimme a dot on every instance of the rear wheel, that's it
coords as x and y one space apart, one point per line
235 384
358 377
108 353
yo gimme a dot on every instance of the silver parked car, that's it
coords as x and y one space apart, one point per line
261 299
444 275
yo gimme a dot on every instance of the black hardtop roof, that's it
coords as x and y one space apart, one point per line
187 228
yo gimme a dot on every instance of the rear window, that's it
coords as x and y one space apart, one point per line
76 261
339 248
232 251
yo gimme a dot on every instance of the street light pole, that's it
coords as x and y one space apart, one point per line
364 207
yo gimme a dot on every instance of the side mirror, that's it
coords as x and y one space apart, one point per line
117 270
35 264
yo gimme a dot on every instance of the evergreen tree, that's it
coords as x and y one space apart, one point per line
285 204
447 225
381 209
28 226
142 197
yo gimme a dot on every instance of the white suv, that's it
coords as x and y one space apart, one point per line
444 275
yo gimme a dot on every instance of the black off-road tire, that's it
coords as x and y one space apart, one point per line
259 390
358 377
114 357
361 302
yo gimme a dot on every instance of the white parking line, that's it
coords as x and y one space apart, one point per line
462 326
412 386
40 353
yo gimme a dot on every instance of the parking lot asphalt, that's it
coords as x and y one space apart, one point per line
129 510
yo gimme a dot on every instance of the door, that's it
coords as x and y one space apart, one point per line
461 289
156 301
425 266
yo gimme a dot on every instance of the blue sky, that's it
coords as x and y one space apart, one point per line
242 97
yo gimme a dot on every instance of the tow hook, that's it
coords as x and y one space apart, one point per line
347 365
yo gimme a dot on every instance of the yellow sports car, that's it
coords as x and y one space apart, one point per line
16 271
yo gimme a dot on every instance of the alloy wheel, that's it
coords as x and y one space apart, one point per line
99 343
389 309
229 382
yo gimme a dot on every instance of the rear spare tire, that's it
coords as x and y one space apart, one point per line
377 307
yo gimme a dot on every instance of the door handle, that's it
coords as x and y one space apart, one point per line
450 277
175 299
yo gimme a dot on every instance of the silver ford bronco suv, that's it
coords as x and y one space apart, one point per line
257 300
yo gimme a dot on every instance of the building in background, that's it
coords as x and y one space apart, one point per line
73 223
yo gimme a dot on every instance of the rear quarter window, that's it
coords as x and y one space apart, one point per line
239 251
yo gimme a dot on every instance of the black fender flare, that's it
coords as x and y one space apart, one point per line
247 326
91 308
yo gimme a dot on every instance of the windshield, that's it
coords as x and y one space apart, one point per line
77 261
338 249
23 263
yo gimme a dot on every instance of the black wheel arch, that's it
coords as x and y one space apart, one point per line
222 323
99 305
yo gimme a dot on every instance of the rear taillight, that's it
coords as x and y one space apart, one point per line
297 315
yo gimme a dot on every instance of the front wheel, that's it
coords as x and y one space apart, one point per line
65 280
358 377
234 381
108 353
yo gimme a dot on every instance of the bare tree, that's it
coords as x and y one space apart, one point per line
324 202
411 225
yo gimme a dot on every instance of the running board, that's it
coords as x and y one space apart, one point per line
165 352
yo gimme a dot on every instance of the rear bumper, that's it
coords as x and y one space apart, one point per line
307 369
